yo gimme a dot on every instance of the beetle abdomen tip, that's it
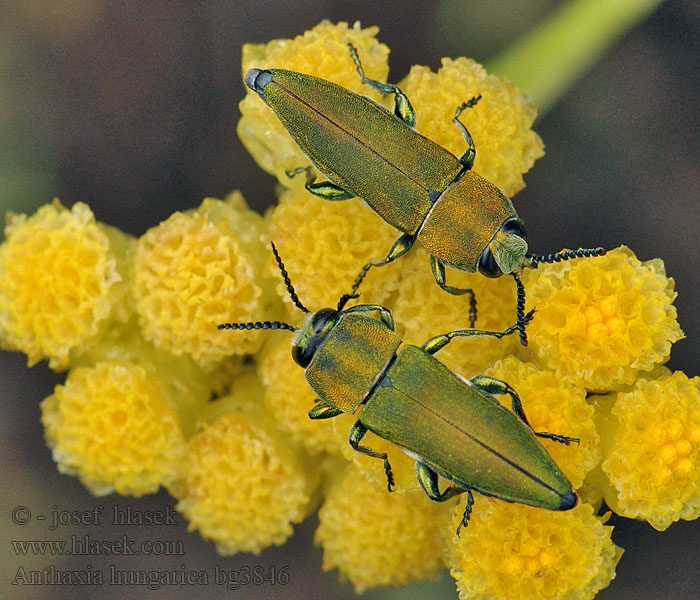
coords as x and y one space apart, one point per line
257 79
568 501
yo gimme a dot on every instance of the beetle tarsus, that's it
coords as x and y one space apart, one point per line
562 439
467 512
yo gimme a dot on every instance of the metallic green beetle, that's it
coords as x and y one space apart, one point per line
452 427
462 220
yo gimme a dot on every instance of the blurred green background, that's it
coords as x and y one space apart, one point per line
132 108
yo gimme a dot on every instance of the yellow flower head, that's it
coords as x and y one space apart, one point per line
61 281
375 538
422 310
196 270
322 52
601 321
652 458
243 483
324 245
514 551
182 384
289 397
500 122
110 425
554 406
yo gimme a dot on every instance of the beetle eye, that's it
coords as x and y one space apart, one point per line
487 264
321 318
515 226
303 356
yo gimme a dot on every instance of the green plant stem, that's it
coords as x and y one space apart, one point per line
546 62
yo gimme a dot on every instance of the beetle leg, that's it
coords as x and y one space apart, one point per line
400 247
492 385
326 189
429 482
467 159
439 273
384 313
402 107
438 342
357 432
323 411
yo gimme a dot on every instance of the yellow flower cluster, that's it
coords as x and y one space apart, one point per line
391 541
135 322
196 270
600 322
61 281
243 483
500 122
519 552
110 426
326 252
652 450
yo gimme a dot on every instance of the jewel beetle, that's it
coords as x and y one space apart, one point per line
463 220
453 427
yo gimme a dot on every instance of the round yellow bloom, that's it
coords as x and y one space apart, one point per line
322 52
554 406
183 385
61 281
111 426
422 310
324 245
652 461
514 551
600 321
500 122
243 483
196 270
289 397
376 538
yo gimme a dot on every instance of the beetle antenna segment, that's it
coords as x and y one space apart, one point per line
258 325
521 319
344 300
559 256
287 282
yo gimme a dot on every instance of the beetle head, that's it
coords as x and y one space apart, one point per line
312 333
315 328
506 251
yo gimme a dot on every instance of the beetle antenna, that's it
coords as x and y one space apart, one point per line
521 319
258 325
568 255
288 283
344 300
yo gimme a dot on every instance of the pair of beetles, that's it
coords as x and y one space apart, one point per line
452 427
